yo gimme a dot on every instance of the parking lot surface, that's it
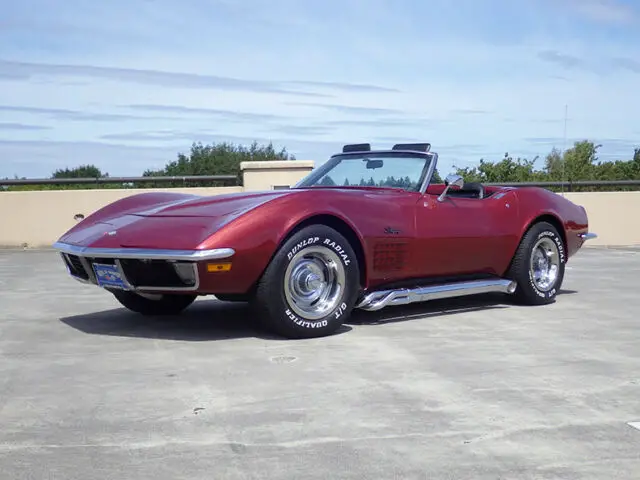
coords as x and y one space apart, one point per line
475 388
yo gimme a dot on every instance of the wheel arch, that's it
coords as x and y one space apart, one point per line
342 227
519 268
542 217
549 218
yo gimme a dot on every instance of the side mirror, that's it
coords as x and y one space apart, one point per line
452 181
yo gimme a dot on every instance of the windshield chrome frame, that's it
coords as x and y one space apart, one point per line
429 156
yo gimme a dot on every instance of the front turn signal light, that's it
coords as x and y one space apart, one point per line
218 267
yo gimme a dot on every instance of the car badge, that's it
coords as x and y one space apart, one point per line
112 233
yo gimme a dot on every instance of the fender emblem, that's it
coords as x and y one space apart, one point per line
112 233
391 231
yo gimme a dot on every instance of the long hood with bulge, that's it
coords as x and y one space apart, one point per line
178 224
232 204
178 221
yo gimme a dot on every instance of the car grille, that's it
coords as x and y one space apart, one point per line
161 274
76 268
154 273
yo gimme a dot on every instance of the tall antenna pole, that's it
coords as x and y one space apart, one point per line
564 146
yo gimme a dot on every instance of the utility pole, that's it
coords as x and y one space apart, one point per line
564 146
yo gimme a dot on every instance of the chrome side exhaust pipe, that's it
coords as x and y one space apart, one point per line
404 296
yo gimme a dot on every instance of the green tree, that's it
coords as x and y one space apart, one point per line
620 169
83 171
553 166
507 170
580 162
218 159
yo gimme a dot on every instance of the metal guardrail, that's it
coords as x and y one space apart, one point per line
234 179
106 180
577 183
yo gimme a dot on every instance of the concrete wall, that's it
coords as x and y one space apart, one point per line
270 175
38 218
614 216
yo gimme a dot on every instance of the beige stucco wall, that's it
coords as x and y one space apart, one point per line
274 174
38 218
614 216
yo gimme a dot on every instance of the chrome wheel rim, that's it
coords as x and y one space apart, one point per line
545 264
314 282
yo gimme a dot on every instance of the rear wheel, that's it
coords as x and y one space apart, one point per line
154 304
310 286
538 265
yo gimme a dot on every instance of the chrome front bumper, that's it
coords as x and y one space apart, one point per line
140 269
145 253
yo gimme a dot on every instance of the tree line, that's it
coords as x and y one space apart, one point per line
214 159
577 163
580 162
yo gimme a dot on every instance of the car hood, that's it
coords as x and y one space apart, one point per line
233 204
177 224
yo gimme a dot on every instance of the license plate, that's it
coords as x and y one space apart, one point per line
108 276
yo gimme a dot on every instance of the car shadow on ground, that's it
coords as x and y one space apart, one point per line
436 308
204 320
208 320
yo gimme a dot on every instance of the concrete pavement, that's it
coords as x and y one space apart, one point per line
465 389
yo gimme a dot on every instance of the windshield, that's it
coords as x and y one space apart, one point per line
402 170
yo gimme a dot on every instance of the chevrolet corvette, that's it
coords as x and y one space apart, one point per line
365 230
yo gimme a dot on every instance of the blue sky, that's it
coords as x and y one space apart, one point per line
126 85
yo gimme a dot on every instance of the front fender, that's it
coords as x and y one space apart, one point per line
257 234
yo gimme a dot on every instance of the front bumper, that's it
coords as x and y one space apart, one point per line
140 269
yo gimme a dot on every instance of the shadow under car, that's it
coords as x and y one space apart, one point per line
208 320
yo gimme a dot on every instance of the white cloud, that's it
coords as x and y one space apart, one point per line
606 11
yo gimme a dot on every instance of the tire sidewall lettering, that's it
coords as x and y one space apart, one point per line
305 323
346 259
301 245
535 289
324 241
328 242
557 241
338 312
561 251
339 249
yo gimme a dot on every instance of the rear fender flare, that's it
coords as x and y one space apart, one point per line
548 217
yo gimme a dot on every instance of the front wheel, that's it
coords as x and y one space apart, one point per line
154 304
310 286
538 265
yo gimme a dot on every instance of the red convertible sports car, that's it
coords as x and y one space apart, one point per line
367 229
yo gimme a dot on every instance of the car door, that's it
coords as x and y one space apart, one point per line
462 235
